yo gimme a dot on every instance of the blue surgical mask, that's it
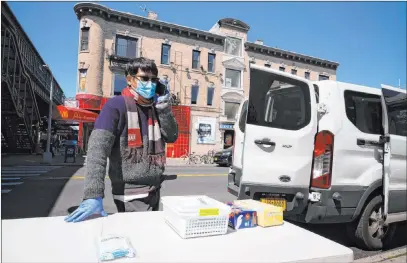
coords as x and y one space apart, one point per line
146 89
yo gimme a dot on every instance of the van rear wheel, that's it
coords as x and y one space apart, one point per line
370 231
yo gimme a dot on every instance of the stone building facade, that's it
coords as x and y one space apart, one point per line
205 70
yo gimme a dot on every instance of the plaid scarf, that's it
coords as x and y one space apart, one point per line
156 146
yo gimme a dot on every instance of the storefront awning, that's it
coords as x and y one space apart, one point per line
61 112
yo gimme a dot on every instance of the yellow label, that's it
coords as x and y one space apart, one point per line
209 212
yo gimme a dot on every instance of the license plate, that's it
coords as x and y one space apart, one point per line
275 201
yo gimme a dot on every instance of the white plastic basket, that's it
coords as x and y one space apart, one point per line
196 216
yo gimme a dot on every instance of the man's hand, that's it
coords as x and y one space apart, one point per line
163 102
87 208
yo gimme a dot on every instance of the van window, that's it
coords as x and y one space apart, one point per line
278 102
364 111
397 113
243 116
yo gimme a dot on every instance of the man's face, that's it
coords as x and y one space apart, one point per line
143 77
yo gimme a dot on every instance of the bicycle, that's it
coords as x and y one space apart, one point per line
191 158
208 158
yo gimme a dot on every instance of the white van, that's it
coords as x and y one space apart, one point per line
316 149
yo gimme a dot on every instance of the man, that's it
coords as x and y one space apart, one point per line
131 130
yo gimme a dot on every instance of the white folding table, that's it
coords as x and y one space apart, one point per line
51 239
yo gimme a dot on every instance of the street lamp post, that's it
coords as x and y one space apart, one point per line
47 156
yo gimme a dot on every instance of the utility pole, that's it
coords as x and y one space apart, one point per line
47 156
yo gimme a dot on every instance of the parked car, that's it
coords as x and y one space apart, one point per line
224 157
324 151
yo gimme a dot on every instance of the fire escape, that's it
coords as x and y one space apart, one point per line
19 108
21 82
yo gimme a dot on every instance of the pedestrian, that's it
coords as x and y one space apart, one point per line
131 130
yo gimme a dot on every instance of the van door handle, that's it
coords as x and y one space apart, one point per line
265 142
361 142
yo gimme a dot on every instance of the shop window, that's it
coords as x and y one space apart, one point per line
196 59
307 75
165 54
209 96
231 109
232 78
120 83
233 46
126 46
211 62
85 39
194 94
282 69
294 71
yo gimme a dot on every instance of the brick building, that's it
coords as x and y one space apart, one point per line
206 71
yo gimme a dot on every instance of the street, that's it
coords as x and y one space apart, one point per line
46 192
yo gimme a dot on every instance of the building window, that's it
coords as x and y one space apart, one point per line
307 75
233 46
323 77
211 62
194 94
209 96
282 69
82 79
196 54
231 109
232 78
364 111
126 47
120 83
85 39
294 71
165 54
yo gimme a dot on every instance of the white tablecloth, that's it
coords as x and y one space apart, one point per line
53 240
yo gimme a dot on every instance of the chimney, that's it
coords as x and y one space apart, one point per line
259 42
152 15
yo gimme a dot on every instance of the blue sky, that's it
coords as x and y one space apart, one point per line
367 39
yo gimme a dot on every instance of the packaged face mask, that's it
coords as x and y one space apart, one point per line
114 247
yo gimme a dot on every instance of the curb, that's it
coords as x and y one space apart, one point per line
384 256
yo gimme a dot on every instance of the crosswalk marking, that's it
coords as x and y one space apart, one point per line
22 175
13 176
15 183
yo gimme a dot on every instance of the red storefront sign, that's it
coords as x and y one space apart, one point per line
73 114
182 115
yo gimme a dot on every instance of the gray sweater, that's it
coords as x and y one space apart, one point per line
109 140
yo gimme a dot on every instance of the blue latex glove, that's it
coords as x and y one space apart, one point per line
87 208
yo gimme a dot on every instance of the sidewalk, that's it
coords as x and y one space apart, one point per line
12 160
393 256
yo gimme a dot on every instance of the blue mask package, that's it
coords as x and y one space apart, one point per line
114 247
146 89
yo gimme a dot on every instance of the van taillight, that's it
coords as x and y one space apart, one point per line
322 166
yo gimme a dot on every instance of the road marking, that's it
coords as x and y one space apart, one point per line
16 183
22 175
78 177
10 178
5 191
23 172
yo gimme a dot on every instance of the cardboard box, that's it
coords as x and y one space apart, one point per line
267 215
240 218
